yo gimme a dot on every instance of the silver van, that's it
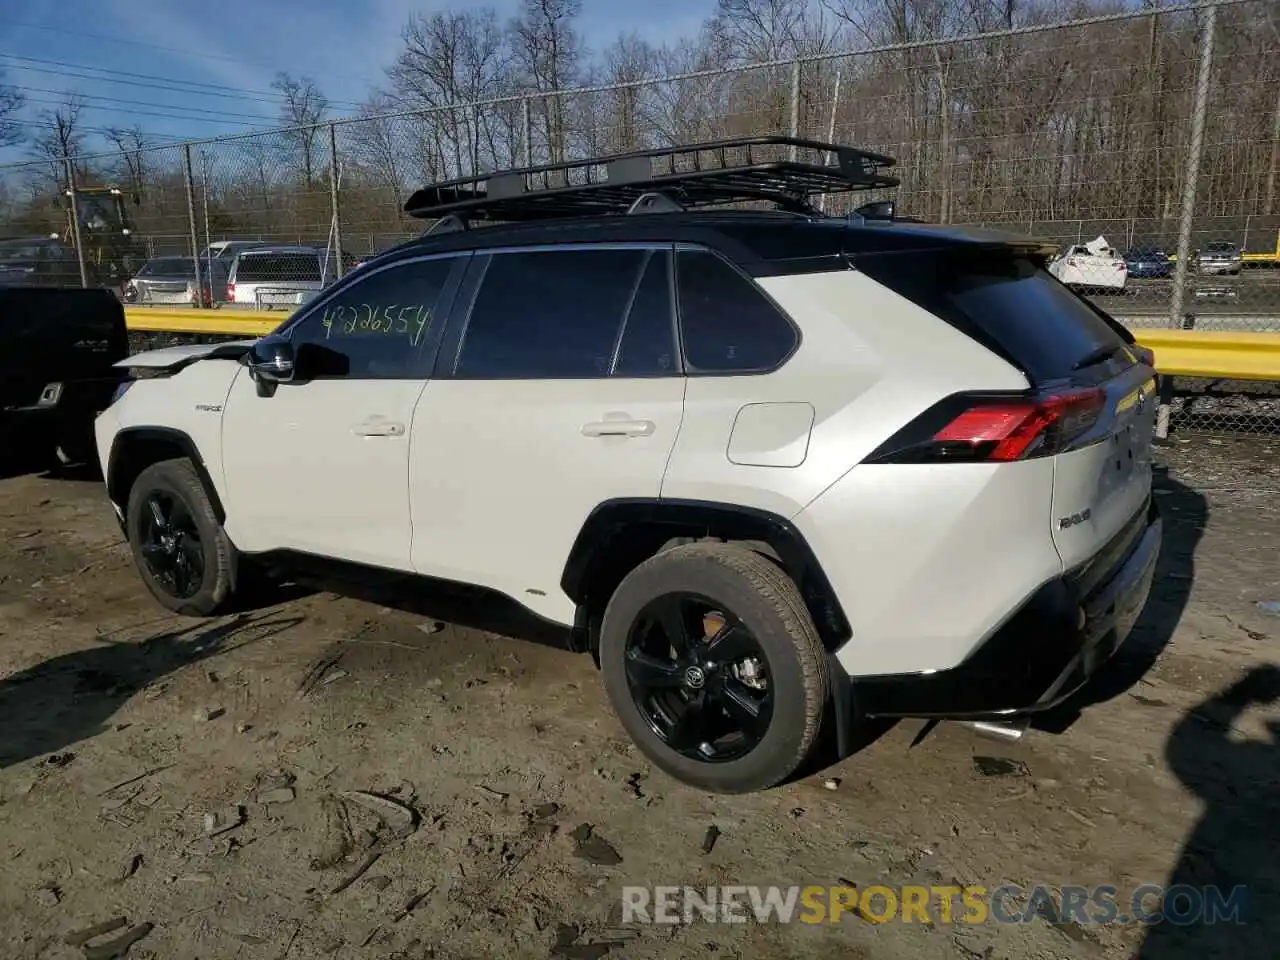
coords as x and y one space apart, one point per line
277 276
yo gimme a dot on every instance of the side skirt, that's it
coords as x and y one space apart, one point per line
464 604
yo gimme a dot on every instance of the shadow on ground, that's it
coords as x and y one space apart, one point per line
1185 514
62 701
465 606
1228 863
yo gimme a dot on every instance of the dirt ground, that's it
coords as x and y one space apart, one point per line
132 744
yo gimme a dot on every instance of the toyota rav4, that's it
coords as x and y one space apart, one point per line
771 467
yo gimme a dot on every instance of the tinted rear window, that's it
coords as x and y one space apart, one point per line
1009 303
176 267
268 268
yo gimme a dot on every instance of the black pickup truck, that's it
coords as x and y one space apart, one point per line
58 348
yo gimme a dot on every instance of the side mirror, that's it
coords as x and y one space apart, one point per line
271 361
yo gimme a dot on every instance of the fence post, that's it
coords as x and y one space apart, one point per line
1191 182
191 222
204 204
795 103
333 198
75 222
526 139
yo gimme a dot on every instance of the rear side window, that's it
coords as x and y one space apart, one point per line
728 326
1007 302
171 267
278 268
550 314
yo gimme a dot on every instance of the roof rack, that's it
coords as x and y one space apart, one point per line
786 171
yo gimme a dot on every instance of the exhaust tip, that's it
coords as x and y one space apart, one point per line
1008 731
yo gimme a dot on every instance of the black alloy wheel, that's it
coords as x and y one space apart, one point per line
170 544
177 540
699 678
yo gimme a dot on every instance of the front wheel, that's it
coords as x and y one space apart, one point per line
185 558
714 667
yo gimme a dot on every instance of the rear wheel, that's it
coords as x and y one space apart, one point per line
179 546
714 667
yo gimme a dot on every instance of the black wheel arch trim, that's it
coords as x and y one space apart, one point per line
130 436
621 533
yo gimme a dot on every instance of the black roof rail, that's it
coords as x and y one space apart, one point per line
786 171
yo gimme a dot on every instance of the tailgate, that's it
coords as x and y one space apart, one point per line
1099 487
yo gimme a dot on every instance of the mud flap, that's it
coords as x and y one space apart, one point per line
841 694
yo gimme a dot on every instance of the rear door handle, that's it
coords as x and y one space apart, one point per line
618 428
379 427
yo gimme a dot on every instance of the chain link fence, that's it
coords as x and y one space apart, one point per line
1144 144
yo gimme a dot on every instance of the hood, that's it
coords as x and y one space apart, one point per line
171 358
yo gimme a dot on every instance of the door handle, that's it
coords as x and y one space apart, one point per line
378 427
618 428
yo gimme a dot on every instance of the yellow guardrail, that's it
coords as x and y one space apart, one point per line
240 323
1214 354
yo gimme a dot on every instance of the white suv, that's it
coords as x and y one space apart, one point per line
768 467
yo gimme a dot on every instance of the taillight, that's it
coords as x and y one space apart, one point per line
231 292
972 429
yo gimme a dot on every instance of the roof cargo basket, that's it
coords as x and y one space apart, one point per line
785 171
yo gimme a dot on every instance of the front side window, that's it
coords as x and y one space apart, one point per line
375 328
550 314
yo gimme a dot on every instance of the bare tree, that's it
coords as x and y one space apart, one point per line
549 50
451 59
11 103
627 62
135 147
59 137
302 108
760 29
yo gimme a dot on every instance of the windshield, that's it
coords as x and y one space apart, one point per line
1222 247
97 213
173 267
227 249
278 267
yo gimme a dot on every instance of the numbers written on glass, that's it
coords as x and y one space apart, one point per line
409 321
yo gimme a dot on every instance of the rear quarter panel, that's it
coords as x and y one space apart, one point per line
869 361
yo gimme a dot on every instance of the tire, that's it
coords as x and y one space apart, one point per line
756 597
201 557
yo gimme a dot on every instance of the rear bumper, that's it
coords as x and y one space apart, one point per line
1046 652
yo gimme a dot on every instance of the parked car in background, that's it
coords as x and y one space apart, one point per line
1091 267
172 280
226 250
38 262
1220 257
277 276
1148 263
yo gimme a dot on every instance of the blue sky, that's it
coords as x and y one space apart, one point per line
228 53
